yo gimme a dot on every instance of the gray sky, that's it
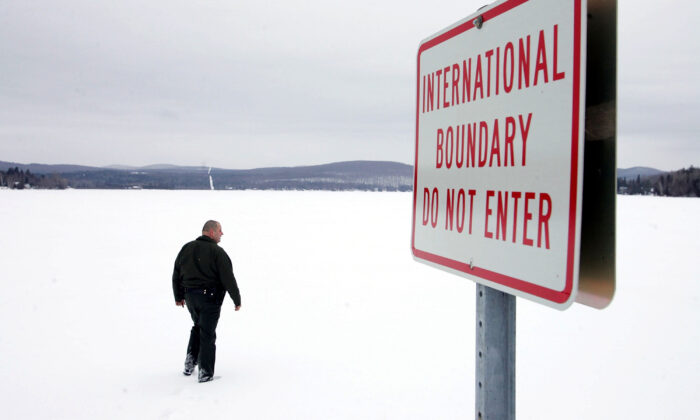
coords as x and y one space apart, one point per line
244 84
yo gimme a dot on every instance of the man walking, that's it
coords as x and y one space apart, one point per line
202 275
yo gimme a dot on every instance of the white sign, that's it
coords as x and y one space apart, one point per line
499 148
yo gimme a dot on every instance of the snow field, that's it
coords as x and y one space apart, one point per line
338 321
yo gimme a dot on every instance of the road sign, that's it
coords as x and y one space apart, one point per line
499 148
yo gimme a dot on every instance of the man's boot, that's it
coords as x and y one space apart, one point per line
205 376
190 363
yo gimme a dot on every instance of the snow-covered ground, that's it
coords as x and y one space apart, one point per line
338 321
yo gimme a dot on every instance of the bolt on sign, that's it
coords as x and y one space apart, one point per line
499 148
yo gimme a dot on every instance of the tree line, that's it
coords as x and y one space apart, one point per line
16 178
19 179
681 183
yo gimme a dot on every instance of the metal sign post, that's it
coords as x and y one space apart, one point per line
495 354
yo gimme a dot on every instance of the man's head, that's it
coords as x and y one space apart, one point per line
213 230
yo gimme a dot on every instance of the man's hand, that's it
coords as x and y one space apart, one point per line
180 303
238 307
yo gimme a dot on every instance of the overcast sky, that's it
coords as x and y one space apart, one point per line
244 84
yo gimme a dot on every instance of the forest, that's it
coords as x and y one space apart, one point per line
19 179
681 183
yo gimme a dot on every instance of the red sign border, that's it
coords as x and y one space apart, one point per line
554 296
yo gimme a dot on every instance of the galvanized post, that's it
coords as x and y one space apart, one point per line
495 354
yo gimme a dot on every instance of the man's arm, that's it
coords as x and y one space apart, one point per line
178 290
227 278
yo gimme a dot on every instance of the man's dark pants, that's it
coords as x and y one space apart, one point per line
205 308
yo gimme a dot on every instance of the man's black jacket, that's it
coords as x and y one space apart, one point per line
202 264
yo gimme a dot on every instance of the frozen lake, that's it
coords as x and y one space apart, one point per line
338 321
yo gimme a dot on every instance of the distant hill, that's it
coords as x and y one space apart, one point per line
362 175
39 168
339 176
641 171
353 175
